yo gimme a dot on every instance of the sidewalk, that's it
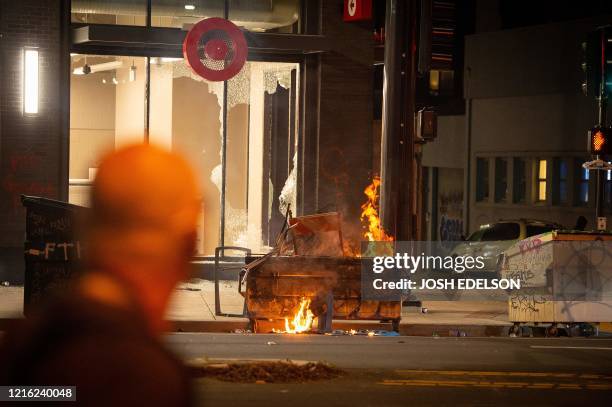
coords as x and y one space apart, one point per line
193 309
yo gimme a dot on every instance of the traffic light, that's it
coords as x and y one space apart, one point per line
597 62
600 139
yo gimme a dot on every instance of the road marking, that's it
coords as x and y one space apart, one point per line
598 386
506 385
569 347
482 373
541 386
569 386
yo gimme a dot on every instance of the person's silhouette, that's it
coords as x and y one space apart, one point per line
103 336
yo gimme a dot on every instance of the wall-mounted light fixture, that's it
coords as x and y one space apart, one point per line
30 81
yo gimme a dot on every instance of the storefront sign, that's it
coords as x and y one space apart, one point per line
357 10
224 49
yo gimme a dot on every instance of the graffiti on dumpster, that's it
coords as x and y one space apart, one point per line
564 280
530 245
528 261
57 251
524 275
44 225
523 303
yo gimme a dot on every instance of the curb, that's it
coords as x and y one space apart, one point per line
227 326
406 329
427 330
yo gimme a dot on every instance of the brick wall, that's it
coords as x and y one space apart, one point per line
32 148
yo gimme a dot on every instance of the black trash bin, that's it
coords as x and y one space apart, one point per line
52 252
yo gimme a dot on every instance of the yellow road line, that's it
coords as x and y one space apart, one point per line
457 382
507 374
599 386
571 347
541 386
409 384
592 376
507 385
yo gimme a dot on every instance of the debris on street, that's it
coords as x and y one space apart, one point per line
268 372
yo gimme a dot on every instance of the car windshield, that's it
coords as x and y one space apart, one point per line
476 236
501 231
533 230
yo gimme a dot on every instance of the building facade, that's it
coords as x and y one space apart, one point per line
279 135
518 150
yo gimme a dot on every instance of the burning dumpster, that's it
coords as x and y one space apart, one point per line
275 289
280 290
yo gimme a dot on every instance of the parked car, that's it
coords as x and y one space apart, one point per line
491 240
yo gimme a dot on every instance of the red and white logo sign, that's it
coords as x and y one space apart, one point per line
215 49
352 7
357 10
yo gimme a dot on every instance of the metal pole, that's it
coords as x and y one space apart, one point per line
64 131
149 11
397 150
223 149
147 102
601 220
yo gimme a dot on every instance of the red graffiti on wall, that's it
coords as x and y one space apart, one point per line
24 162
17 181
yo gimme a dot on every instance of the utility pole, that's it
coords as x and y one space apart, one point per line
397 152
596 84
602 99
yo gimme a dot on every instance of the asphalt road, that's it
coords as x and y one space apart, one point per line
400 371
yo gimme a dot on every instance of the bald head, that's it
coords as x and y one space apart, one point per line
145 203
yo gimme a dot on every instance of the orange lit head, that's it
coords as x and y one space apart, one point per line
145 203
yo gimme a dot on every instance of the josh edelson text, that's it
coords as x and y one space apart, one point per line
404 264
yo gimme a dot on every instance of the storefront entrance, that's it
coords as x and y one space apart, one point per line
241 137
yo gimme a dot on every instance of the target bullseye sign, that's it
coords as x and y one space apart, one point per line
215 49
357 10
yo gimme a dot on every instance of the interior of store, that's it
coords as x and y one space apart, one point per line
255 113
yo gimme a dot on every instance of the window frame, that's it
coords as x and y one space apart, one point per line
519 162
581 180
557 180
305 24
538 180
501 197
483 190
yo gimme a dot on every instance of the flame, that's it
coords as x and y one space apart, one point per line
302 320
369 215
